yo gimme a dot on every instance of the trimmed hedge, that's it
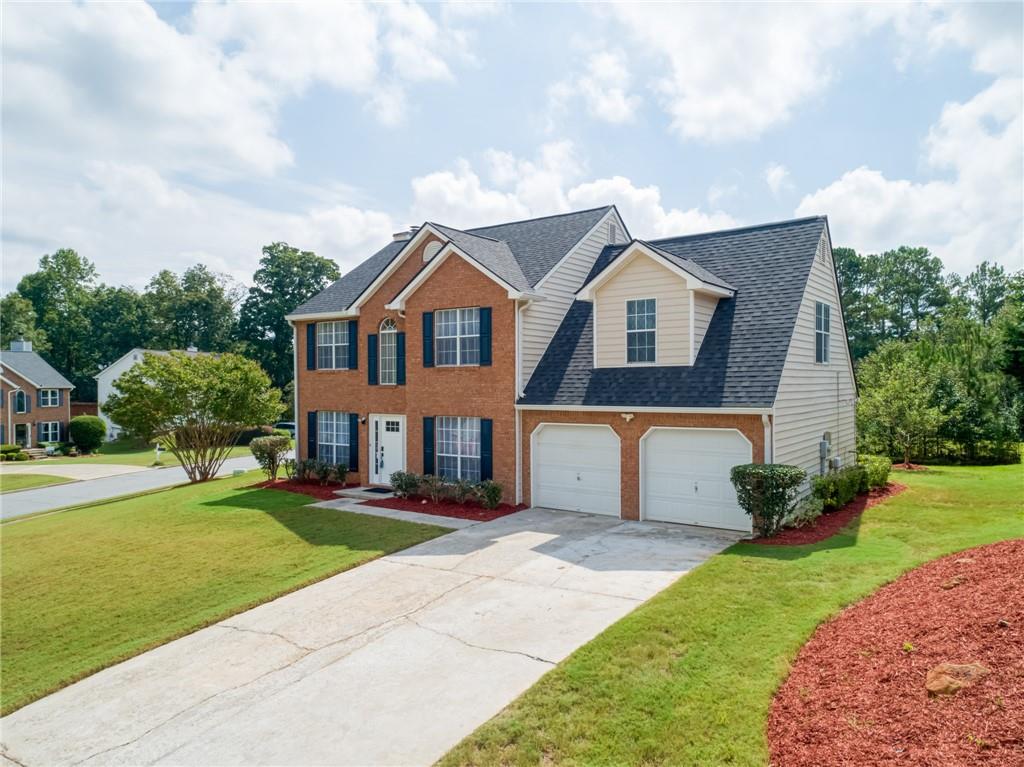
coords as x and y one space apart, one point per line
838 488
87 432
487 493
269 452
766 491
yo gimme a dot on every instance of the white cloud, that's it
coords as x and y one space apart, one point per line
776 176
604 86
974 214
552 183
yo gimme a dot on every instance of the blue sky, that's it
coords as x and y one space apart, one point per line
160 136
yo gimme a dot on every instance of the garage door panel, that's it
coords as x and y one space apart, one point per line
686 477
576 468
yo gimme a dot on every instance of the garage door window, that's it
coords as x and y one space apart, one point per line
641 330
458 448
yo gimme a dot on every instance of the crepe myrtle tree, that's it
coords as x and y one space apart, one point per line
196 406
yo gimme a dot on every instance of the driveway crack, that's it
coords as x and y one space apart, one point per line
460 640
282 637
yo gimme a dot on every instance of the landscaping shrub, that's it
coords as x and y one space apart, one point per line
838 488
289 465
434 486
461 490
877 468
489 493
323 470
281 433
87 432
340 471
269 452
20 457
5 449
248 435
766 491
405 483
806 511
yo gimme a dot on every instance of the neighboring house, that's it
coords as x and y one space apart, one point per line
582 369
106 377
35 400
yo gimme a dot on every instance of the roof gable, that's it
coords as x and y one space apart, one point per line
35 370
695 276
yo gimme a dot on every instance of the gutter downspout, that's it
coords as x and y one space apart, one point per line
769 439
295 386
515 397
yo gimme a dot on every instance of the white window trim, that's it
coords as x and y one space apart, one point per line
56 398
459 457
22 396
46 427
333 346
458 338
645 330
826 346
340 423
391 330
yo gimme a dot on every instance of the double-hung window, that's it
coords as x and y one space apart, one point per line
641 330
20 402
457 336
458 448
822 331
49 431
332 436
388 373
49 398
332 345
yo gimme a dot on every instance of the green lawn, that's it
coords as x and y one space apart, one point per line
687 679
11 482
86 588
129 453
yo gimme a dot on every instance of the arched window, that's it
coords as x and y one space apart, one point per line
388 352
20 402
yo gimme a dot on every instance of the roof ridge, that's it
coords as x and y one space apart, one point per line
751 227
538 218
465 231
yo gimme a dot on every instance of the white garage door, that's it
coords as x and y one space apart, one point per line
576 468
686 477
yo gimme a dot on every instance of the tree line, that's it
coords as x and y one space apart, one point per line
939 358
80 325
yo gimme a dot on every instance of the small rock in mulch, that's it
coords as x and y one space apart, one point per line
948 678
952 583
446 508
855 697
831 523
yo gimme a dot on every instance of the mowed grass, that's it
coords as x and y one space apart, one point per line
12 482
130 453
83 589
688 678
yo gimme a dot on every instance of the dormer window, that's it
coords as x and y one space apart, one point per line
641 330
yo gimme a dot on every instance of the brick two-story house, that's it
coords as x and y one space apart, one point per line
35 400
580 368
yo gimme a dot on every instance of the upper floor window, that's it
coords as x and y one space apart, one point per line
388 352
20 402
822 331
458 448
332 345
49 398
457 336
641 330
332 436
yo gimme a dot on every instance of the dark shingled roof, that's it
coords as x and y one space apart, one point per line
34 368
520 252
741 358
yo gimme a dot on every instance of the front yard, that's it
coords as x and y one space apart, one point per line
688 678
84 589
11 482
131 453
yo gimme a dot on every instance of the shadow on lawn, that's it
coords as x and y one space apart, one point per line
844 538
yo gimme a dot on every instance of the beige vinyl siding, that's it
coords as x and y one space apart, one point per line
540 320
703 309
642 277
816 398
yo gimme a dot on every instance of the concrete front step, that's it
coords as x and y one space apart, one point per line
363 493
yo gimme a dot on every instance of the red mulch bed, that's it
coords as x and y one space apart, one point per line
315 489
446 508
831 523
856 693
909 467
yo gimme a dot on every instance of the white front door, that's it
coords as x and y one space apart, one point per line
387 447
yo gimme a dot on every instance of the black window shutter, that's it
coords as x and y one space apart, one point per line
428 339
60 397
28 403
353 441
485 335
371 359
63 432
428 445
353 344
311 346
311 434
400 359
39 432
486 449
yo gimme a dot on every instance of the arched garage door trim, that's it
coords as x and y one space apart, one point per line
643 454
535 434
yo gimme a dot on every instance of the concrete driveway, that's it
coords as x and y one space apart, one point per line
391 663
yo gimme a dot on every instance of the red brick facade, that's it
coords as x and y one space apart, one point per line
629 435
471 391
11 419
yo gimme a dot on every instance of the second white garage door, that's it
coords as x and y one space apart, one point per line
576 468
685 477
